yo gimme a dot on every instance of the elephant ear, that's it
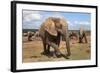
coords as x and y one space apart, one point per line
64 22
64 28
50 27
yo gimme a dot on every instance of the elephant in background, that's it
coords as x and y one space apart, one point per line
30 34
51 32
73 35
82 35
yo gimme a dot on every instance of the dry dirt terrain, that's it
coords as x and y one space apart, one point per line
31 51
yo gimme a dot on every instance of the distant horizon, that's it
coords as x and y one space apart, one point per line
38 29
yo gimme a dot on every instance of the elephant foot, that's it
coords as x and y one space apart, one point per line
30 40
58 54
44 53
80 42
50 54
68 54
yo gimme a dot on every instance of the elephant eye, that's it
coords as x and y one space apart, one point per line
60 26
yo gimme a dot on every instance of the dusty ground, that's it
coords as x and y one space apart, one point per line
31 51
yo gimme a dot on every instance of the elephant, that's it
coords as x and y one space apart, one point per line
82 35
30 34
36 34
24 34
72 35
51 31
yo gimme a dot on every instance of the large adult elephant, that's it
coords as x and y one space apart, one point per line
51 32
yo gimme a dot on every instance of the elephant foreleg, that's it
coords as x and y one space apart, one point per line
48 49
44 39
44 49
58 42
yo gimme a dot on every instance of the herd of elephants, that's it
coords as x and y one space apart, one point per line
52 31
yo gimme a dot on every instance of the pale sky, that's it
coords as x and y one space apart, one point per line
33 19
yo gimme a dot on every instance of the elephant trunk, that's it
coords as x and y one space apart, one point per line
66 39
67 45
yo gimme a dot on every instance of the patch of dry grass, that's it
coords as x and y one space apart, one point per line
31 51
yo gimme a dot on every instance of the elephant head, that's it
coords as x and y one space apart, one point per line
57 25
54 25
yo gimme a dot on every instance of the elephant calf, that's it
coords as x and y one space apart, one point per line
51 31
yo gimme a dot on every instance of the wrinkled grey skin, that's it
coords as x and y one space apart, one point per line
61 27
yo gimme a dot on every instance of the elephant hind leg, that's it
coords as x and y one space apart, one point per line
84 35
80 39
